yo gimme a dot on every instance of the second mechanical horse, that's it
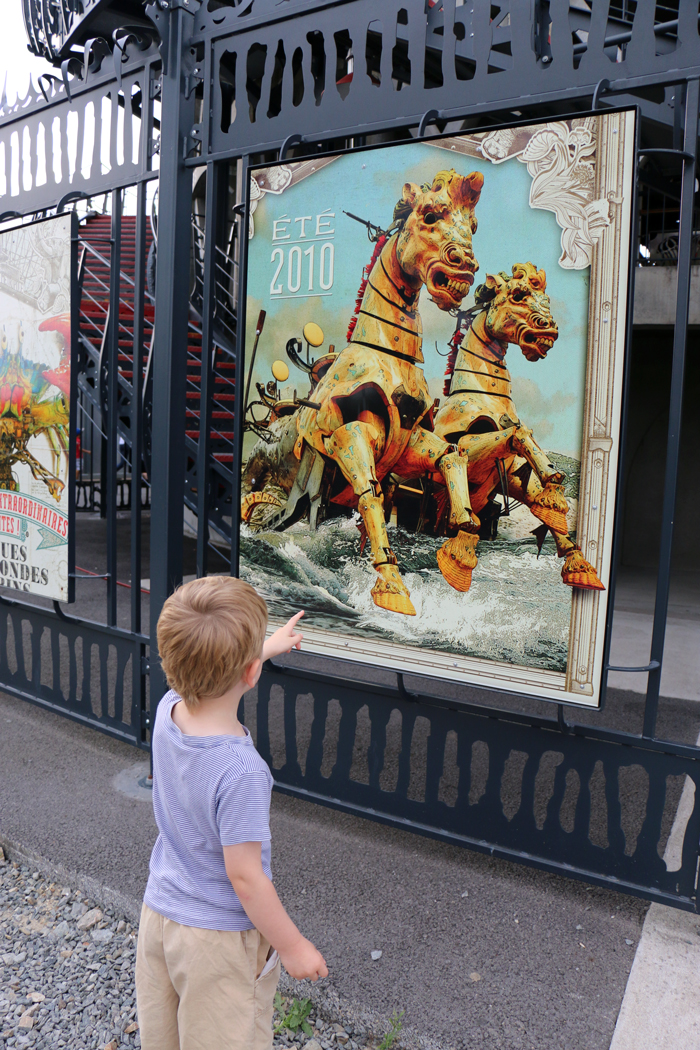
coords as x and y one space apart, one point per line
479 414
372 411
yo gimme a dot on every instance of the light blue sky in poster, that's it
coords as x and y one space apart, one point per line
548 394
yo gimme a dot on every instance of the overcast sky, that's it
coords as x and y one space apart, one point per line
16 62
17 65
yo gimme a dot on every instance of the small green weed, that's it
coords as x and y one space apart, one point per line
294 1017
396 1022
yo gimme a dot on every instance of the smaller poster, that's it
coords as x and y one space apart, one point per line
35 407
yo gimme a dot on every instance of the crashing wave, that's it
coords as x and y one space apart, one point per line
517 610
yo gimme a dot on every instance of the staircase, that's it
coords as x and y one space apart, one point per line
94 282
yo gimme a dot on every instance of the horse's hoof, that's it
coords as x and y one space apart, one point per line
551 507
456 560
253 500
390 592
577 572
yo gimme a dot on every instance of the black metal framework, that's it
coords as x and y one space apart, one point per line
91 672
94 672
243 83
583 803
89 133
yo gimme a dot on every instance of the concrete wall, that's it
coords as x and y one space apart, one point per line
647 427
655 295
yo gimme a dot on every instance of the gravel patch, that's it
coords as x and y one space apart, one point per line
66 967
67 974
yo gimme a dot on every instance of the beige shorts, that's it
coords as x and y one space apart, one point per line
203 989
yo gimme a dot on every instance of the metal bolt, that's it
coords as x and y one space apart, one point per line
545 58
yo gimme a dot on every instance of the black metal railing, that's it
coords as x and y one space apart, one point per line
659 216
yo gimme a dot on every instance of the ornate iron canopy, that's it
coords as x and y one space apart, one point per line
56 28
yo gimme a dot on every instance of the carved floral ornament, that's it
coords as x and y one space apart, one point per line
278 178
560 158
268 180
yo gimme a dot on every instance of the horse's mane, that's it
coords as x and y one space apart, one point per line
464 323
454 345
363 284
483 295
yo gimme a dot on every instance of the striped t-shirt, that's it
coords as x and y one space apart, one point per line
208 792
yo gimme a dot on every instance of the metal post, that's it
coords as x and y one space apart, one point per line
211 227
137 404
685 255
109 479
170 336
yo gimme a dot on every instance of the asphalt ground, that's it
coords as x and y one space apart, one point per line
525 960
476 951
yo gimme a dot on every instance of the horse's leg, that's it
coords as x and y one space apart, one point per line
426 452
353 447
525 486
550 504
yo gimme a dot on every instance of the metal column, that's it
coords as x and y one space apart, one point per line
108 480
685 254
170 336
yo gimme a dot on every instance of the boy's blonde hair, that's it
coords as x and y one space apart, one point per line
209 631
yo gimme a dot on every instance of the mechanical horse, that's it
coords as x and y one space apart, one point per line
479 415
371 412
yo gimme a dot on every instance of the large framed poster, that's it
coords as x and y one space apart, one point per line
37 273
434 352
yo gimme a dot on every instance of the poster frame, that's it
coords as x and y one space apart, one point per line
604 624
618 510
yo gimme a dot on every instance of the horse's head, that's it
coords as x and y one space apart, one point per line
434 245
518 310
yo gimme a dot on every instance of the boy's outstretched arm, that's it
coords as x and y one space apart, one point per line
284 639
265 910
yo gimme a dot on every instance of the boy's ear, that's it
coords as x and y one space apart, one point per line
252 673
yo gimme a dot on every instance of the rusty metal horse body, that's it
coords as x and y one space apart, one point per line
372 411
479 414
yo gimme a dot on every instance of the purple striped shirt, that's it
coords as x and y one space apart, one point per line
208 792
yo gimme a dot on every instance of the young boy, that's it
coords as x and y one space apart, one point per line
213 932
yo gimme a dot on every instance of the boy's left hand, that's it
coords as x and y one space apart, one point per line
284 639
